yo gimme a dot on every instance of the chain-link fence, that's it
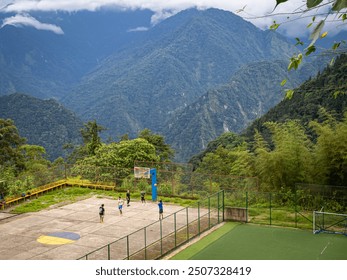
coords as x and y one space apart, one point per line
165 235
290 208
173 179
243 198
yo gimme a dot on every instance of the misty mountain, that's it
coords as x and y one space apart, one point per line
42 122
45 64
177 61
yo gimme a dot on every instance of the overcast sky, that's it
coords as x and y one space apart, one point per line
256 11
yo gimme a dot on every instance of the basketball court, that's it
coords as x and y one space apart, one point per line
71 231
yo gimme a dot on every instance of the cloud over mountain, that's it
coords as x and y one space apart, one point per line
20 20
260 13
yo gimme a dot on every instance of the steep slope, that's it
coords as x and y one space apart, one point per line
43 122
178 61
251 92
315 93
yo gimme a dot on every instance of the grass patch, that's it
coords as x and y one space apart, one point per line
56 197
72 194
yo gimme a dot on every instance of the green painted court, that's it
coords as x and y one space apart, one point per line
256 242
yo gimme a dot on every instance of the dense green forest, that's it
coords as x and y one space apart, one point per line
42 122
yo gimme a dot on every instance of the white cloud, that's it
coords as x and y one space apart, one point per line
26 20
259 12
138 29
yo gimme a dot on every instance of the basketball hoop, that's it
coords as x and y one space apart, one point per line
142 172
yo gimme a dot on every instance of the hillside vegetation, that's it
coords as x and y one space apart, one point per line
301 140
42 122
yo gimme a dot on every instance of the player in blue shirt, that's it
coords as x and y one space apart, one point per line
161 209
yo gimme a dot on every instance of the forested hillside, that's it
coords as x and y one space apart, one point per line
42 122
250 93
327 90
301 140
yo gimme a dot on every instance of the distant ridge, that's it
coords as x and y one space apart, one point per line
42 122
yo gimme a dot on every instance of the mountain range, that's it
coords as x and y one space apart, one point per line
190 78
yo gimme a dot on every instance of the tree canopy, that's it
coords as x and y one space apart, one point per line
10 143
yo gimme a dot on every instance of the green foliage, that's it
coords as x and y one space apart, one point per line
308 99
313 3
284 149
163 150
290 159
10 143
331 150
295 61
90 135
118 158
339 5
225 140
44 123
314 6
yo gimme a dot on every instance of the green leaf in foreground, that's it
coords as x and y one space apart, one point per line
289 93
313 3
295 61
339 5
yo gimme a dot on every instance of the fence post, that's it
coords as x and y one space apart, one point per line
145 233
65 171
128 249
108 252
161 238
246 207
209 213
175 229
187 223
218 208
270 197
223 207
296 208
199 217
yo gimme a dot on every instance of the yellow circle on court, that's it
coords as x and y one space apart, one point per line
58 238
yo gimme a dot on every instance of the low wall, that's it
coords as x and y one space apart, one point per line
235 214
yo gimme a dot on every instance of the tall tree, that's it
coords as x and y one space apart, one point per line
122 154
91 138
331 151
290 161
34 157
10 143
163 150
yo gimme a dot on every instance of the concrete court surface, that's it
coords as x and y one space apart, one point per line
19 234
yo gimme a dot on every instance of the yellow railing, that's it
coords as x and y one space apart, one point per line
35 193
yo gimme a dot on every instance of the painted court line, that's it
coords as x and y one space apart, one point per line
325 248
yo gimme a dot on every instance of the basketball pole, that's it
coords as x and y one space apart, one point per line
154 184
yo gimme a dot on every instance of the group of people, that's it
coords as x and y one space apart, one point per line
121 203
